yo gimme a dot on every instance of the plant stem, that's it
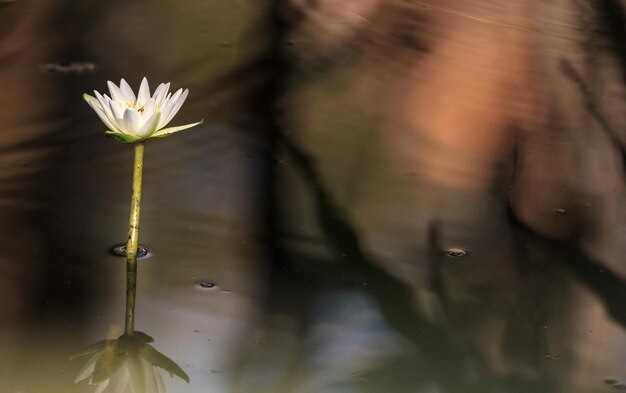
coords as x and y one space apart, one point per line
131 245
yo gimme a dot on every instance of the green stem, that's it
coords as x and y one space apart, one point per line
131 246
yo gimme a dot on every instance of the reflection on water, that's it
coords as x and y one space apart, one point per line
386 196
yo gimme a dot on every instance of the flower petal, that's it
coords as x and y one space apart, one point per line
150 126
171 130
160 93
106 108
87 369
144 92
131 122
97 107
160 386
116 93
93 348
117 111
165 100
101 386
128 92
174 107
92 101
137 373
152 378
168 106
148 108
108 364
120 380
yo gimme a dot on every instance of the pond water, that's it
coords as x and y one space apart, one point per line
385 196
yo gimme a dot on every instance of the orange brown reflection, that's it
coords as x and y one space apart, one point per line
468 123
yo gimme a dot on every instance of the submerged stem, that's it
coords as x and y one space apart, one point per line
131 245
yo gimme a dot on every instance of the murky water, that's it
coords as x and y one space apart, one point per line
385 196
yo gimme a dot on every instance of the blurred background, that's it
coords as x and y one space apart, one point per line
386 195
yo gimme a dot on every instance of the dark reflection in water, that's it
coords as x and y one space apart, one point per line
386 196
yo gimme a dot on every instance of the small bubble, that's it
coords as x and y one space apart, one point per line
552 356
560 211
456 252
120 251
206 284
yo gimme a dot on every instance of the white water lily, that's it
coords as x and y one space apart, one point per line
135 375
128 364
135 118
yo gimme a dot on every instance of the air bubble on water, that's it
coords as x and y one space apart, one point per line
560 211
456 252
120 251
205 284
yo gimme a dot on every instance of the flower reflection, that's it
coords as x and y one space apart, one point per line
134 375
133 118
127 364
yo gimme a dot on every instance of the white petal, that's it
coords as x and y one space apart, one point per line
106 107
137 375
160 93
101 386
179 103
150 126
117 111
148 108
116 93
104 103
92 101
128 92
170 108
152 377
159 381
165 100
131 122
170 130
102 114
88 368
144 92
97 107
